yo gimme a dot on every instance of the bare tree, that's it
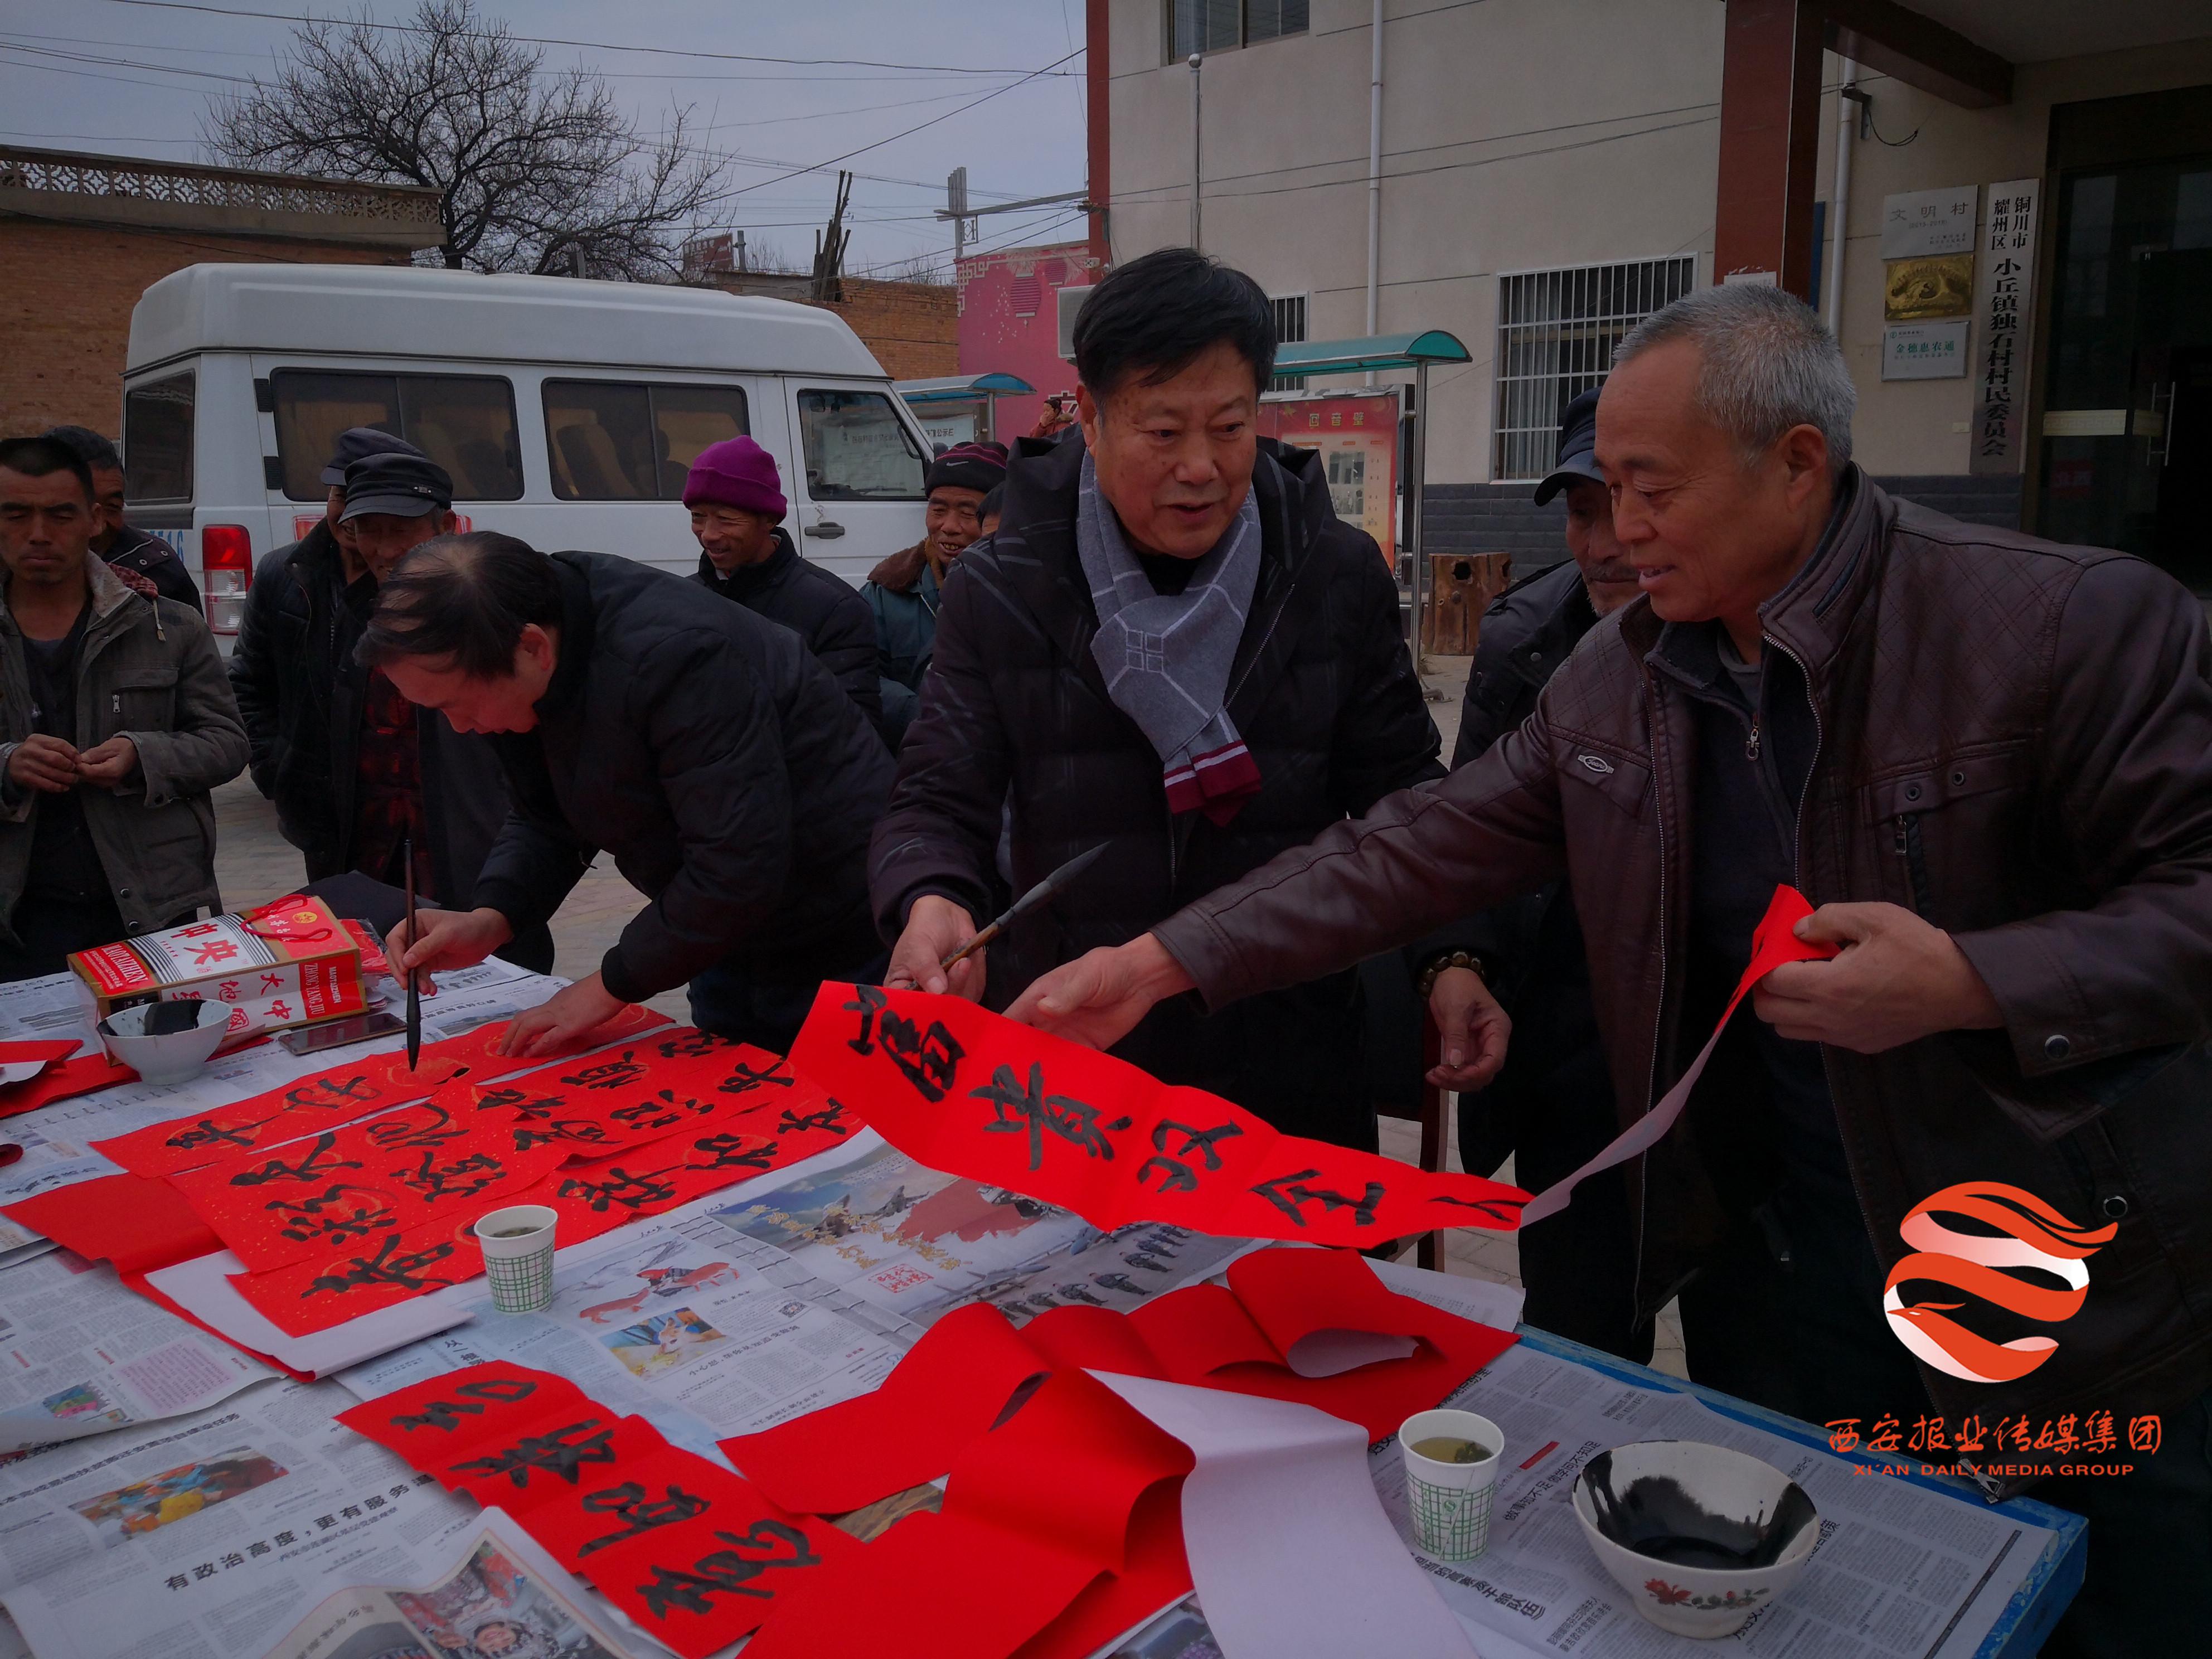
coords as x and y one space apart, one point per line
537 169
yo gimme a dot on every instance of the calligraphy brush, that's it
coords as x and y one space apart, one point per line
1037 894
414 993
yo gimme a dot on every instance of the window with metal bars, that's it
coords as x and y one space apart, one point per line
1290 310
1204 26
1556 332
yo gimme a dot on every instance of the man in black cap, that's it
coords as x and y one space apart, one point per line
356 770
148 565
1546 1100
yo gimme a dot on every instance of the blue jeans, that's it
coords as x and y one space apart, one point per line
766 1012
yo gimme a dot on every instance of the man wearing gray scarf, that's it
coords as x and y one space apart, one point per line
1172 649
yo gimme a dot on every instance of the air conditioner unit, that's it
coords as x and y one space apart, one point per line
1071 307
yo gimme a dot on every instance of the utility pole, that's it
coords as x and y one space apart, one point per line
1197 150
956 207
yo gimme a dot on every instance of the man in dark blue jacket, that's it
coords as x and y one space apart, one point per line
1550 1106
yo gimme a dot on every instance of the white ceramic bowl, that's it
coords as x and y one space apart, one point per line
171 1058
1700 1602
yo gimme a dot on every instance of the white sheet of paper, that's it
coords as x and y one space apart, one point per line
1483 1300
202 1287
1290 1553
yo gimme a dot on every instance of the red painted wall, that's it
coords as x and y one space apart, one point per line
1010 323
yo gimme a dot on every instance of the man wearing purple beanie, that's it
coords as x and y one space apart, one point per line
737 502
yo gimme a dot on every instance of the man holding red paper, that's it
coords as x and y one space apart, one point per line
1988 760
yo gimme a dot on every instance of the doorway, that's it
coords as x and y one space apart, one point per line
2127 424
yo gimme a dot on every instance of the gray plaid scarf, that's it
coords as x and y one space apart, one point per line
1166 657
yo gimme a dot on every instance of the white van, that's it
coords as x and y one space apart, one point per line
567 411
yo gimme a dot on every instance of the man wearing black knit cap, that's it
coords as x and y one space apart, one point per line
904 589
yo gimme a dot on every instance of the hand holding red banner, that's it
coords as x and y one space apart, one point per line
961 1089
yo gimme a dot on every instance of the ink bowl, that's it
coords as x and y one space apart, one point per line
1700 1537
166 1042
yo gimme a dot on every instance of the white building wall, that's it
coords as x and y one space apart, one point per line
1532 134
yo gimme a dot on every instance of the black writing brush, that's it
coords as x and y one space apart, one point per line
414 994
1037 894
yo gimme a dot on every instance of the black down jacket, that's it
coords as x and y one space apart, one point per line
825 610
1322 691
716 759
299 693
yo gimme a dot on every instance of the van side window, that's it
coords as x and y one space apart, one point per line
618 441
464 423
157 440
857 448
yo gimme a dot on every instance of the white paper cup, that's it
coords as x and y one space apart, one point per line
517 1253
1450 1502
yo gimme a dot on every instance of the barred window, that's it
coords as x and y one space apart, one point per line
1206 25
1556 332
1290 310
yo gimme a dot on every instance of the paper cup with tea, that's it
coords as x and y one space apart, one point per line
1452 1460
518 1255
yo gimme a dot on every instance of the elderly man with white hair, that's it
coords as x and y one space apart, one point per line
1987 760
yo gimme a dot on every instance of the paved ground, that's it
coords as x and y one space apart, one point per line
254 863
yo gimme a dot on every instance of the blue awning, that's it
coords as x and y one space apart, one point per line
960 388
1374 351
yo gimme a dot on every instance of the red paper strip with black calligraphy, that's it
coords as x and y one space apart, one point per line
694 1553
963 1089
343 1094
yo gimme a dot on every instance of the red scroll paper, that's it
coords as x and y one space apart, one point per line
960 1088
341 1095
736 1112
692 1553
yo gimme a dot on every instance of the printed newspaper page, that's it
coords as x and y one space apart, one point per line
496 1595
81 1354
1900 1570
798 1289
210 1536
54 1138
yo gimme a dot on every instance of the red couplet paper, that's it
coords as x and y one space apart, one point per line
1048 1499
960 1088
972 1366
65 1081
137 1224
692 1552
758 1129
1773 942
345 1092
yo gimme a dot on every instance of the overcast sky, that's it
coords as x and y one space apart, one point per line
134 79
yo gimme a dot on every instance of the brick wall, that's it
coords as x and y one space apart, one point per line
913 328
66 293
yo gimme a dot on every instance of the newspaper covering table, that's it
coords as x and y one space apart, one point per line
211 1536
80 1353
1902 1568
799 1289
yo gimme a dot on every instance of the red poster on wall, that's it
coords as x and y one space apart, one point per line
1357 433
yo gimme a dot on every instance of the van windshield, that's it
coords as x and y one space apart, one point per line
464 423
157 440
857 448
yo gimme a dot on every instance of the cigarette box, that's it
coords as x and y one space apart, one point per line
289 962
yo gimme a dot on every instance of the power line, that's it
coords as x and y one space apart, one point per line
1423 149
833 159
593 45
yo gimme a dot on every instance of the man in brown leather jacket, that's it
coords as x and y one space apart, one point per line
1988 760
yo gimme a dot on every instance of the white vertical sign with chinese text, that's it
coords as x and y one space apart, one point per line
2004 280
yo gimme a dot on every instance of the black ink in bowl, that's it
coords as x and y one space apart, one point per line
1655 1516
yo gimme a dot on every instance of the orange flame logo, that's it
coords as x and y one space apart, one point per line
2036 1236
